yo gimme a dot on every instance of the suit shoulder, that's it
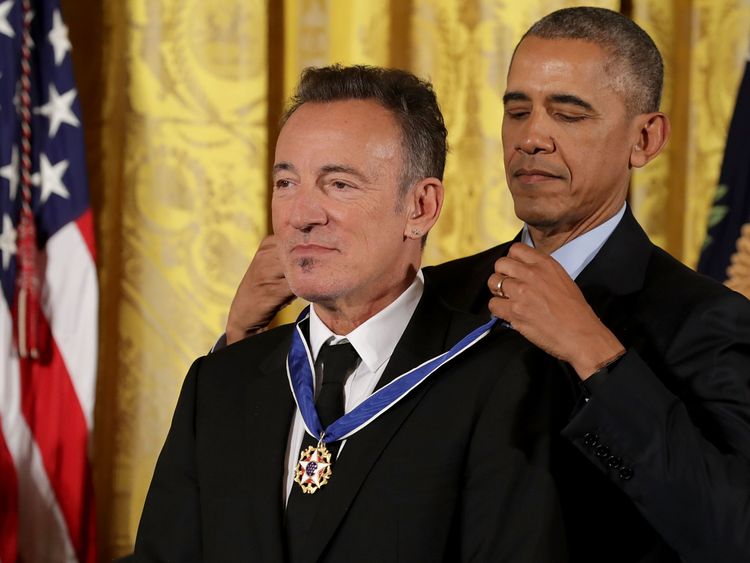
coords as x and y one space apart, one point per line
686 287
250 351
484 260
675 300
462 283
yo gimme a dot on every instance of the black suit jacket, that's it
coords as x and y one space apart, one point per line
457 471
654 467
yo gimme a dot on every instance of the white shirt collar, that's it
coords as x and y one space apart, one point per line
576 254
376 338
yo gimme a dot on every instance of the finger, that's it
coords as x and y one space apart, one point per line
269 241
498 285
523 262
526 254
500 308
532 257
512 268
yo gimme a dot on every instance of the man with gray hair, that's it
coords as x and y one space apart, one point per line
653 457
382 426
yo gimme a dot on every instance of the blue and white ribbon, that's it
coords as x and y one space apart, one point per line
302 383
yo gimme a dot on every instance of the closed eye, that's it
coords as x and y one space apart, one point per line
516 114
570 118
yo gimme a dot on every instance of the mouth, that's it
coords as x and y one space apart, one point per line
311 249
535 175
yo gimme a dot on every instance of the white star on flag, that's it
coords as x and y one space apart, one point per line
5 27
7 241
49 178
10 172
58 36
59 109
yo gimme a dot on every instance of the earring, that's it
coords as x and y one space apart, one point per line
416 232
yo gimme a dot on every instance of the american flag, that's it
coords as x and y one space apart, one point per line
49 298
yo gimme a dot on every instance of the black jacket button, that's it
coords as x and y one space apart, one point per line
614 462
601 451
590 439
625 473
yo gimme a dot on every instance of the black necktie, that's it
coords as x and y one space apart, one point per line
335 362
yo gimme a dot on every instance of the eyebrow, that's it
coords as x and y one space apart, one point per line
515 97
568 99
341 168
283 166
325 169
572 100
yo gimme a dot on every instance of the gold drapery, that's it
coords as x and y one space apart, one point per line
704 44
181 100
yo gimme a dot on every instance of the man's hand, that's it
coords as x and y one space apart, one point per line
540 300
262 293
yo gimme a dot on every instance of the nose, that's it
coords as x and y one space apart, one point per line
534 135
307 209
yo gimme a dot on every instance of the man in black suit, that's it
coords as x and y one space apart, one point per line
654 461
418 448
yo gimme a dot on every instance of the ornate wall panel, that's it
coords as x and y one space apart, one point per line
704 44
190 209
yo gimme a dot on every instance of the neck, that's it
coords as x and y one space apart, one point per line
343 315
548 238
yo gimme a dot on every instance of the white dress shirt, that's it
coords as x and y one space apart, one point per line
374 340
576 254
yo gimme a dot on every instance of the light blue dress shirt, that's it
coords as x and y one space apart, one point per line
575 255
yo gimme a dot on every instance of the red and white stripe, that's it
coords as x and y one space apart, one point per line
46 413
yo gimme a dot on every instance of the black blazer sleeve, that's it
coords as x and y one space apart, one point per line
682 453
170 523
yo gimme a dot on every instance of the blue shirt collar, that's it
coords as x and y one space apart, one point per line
576 254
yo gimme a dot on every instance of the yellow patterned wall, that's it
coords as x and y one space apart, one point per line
704 43
181 102
184 206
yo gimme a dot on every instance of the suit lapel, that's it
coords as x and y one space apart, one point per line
617 271
270 408
619 268
424 337
620 265
430 332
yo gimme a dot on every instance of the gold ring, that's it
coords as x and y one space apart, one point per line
500 287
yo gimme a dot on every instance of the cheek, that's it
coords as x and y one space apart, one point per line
277 215
508 143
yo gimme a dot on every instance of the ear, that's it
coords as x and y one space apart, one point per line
652 133
423 204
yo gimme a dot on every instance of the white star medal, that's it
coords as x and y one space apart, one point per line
314 468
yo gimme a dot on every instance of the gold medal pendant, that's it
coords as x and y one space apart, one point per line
314 468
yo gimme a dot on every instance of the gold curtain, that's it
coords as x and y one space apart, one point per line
704 43
181 99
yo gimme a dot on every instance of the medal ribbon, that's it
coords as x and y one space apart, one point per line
300 371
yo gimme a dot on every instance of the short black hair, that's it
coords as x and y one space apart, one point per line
411 100
635 64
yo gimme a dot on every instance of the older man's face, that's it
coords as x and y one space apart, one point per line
567 136
336 176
